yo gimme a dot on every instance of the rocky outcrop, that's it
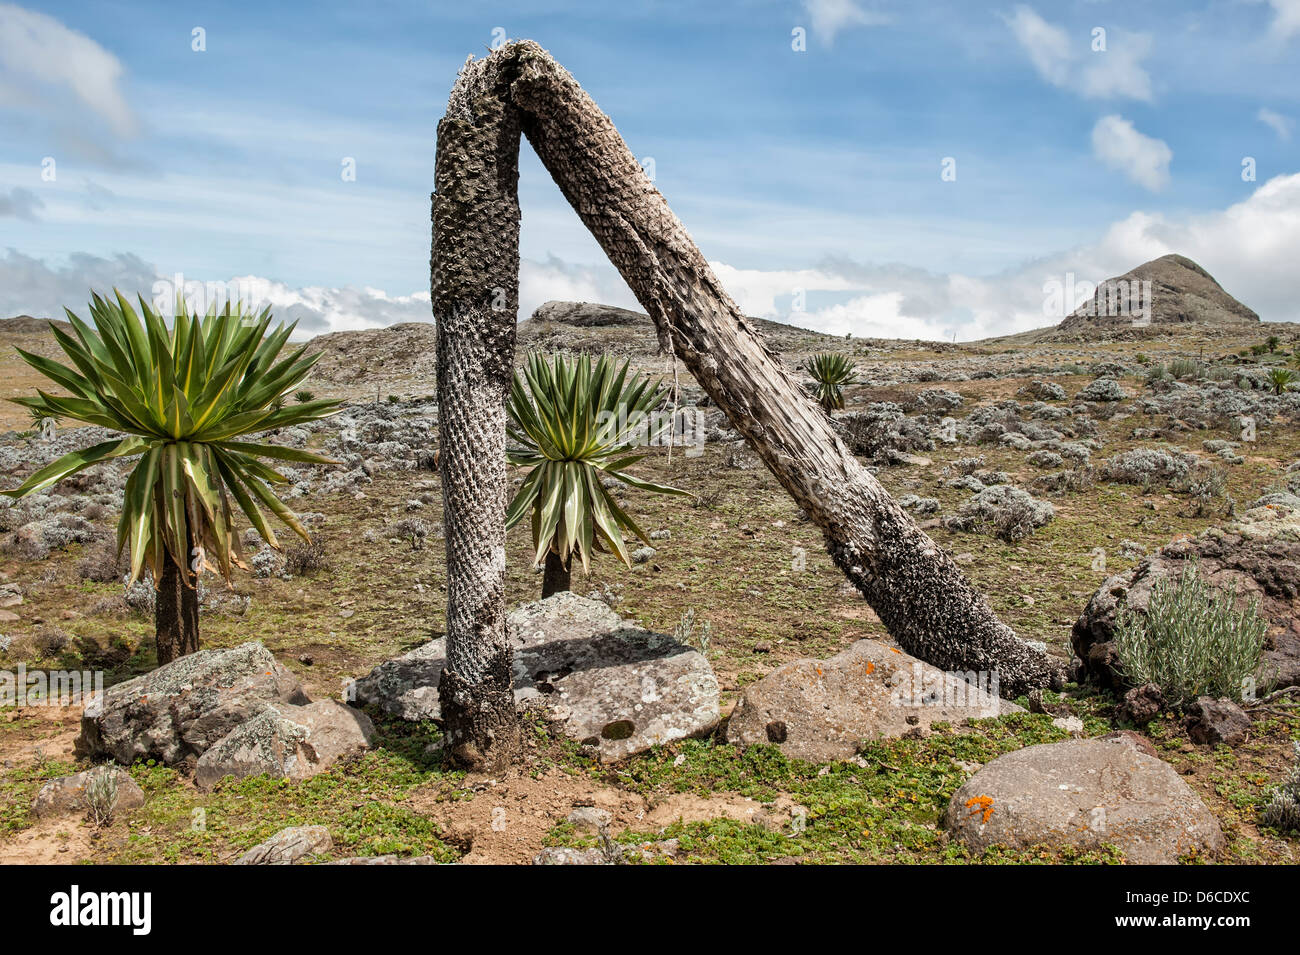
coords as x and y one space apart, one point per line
602 680
821 710
178 711
1259 555
1085 793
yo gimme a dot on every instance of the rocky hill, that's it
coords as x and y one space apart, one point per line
1171 291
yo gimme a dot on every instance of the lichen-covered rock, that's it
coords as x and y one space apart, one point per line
1085 793
1259 555
289 846
178 711
287 741
68 793
821 710
601 679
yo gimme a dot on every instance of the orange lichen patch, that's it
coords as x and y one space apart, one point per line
871 668
980 804
895 650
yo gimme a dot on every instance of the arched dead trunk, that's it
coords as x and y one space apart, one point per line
915 588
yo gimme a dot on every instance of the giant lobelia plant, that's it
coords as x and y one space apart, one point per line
576 423
184 398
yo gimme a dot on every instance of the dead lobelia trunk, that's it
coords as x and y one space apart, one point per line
475 288
915 587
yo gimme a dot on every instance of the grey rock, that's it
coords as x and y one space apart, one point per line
821 710
601 679
387 860
179 710
68 793
589 817
289 846
1085 793
563 855
287 741
1214 721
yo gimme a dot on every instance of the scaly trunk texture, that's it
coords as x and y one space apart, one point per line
916 589
475 286
175 614
557 575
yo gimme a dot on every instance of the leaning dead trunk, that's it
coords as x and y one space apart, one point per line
475 288
916 589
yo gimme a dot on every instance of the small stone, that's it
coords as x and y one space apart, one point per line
589 817
68 793
288 846
1071 724
1141 704
1212 722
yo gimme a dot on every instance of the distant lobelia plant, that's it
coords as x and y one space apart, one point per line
1281 379
576 425
831 372
183 397
1192 641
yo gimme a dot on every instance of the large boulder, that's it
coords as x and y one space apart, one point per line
1085 793
1259 555
821 710
287 741
601 679
175 713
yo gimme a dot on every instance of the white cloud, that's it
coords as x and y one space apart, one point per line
39 54
1143 159
1069 62
829 17
1250 248
1275 121
1286 19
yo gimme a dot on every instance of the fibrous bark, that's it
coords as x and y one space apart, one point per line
916 589
176 612
475 288
557 575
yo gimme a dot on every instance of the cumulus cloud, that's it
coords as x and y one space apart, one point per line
1275 121
1143 159
829 17
1069 62
41 56
1286 19
20 203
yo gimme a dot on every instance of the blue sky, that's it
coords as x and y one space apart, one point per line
817 169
